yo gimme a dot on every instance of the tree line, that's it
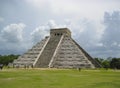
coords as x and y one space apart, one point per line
6 59
113 63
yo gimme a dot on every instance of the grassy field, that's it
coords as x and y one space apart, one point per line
53 78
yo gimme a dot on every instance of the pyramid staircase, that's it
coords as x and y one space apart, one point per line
48 52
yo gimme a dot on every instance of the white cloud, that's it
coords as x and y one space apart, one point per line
87 31
110 38
11 39
51 24
112 31
92 9
42 31
68 22
39 33
13 32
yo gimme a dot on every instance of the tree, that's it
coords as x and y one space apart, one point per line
115 63
6 59
106 64
99 60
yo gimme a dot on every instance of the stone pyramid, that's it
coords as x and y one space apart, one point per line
58 50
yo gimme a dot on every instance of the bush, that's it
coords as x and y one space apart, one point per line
6 59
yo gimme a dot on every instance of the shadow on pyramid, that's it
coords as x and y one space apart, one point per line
58 50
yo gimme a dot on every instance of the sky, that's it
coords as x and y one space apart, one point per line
95 24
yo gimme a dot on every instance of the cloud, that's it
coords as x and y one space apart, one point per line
51 24
13 33
39 33
101 39
110 38
92 9
11 39
112 29
86 31
83 8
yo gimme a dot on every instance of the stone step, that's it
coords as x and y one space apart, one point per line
30 56
48 52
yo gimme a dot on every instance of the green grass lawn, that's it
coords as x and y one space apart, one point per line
45 78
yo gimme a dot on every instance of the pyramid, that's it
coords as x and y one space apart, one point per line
58 50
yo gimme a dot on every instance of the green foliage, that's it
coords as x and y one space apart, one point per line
106 64
113 63
53 78
99 60
7 59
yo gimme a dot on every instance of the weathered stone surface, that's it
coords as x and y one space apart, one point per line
58 50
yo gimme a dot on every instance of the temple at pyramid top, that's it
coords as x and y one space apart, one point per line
60 31
58 50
